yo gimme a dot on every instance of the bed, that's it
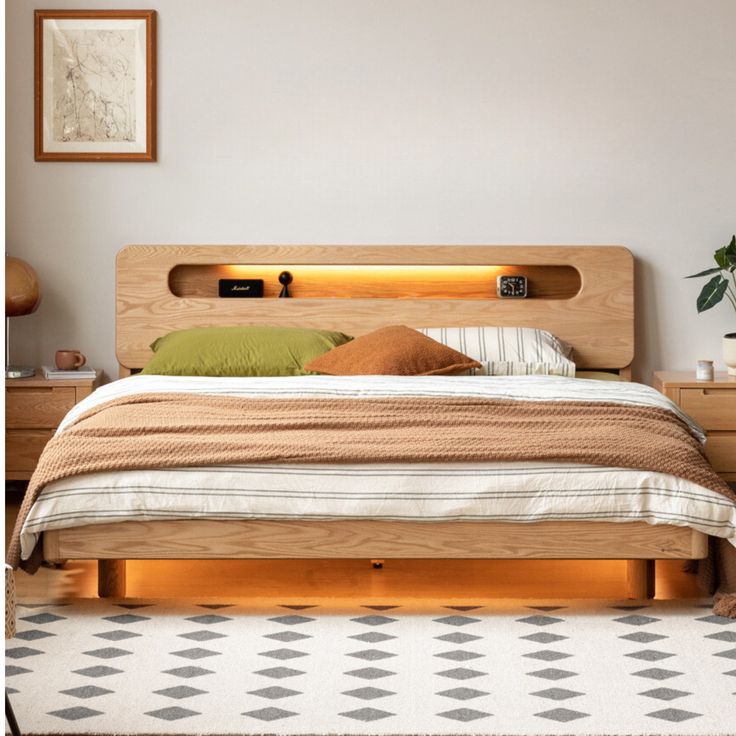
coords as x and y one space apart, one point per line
582 294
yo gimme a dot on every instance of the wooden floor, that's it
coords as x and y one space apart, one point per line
400 580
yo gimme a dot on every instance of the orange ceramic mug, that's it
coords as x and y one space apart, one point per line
69 360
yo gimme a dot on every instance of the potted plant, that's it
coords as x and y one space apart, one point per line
722 283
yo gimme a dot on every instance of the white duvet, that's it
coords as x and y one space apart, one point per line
513 492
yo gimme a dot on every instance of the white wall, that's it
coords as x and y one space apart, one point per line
400 121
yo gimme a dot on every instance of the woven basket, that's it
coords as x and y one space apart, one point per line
9 602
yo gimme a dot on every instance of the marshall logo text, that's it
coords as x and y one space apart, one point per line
240 288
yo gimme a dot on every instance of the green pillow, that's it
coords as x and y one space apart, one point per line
240 351
599 375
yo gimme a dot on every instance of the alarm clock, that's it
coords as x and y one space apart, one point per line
511 287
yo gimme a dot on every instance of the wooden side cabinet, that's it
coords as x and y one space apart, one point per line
33 409
713 405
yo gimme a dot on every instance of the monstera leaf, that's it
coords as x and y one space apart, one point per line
720 285
712 293
707 272
726 256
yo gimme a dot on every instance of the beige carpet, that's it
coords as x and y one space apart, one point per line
506 669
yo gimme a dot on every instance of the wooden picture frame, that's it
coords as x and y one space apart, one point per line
95 85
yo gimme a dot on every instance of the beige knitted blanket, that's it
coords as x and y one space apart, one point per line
171 430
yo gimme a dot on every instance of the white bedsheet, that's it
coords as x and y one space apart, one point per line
514 492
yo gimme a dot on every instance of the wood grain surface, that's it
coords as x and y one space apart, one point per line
34 408
714 408
261 539
598 321
23 447
720 449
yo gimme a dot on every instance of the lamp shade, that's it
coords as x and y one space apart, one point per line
22 292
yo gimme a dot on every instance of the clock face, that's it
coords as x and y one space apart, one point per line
513 287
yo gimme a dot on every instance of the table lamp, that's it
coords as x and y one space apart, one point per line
22 296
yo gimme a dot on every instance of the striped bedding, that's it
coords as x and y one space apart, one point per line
507 351
511 492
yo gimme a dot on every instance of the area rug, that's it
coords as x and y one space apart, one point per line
506 668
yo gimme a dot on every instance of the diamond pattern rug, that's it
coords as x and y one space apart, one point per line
504 668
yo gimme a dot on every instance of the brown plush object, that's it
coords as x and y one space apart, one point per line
724 604
392 351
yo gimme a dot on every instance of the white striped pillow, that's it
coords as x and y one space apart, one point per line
507 351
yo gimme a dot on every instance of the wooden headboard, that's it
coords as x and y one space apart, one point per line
582 294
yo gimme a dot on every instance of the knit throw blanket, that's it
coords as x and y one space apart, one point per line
173 430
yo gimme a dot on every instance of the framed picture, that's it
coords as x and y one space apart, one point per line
95 85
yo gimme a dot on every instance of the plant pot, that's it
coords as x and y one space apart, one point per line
729 352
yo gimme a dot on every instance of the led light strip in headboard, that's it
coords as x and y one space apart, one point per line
348 281
583 294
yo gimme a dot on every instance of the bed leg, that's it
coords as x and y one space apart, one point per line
640 579
111 578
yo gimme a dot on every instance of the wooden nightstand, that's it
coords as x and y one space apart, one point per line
33 409
713 405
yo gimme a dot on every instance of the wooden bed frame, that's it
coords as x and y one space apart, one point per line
582 294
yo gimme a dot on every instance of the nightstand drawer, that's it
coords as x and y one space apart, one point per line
38 407
23 447
714 408
721 451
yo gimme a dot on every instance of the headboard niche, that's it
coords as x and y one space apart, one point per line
584 294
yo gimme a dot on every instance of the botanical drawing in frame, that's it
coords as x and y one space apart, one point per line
95 85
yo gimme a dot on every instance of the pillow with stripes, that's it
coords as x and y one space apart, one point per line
507 351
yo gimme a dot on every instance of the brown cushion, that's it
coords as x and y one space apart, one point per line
391 351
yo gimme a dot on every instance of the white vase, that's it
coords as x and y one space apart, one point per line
729 352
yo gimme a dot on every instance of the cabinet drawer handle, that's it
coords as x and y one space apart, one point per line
34 390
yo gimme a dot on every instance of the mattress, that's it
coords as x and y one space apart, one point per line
508 492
